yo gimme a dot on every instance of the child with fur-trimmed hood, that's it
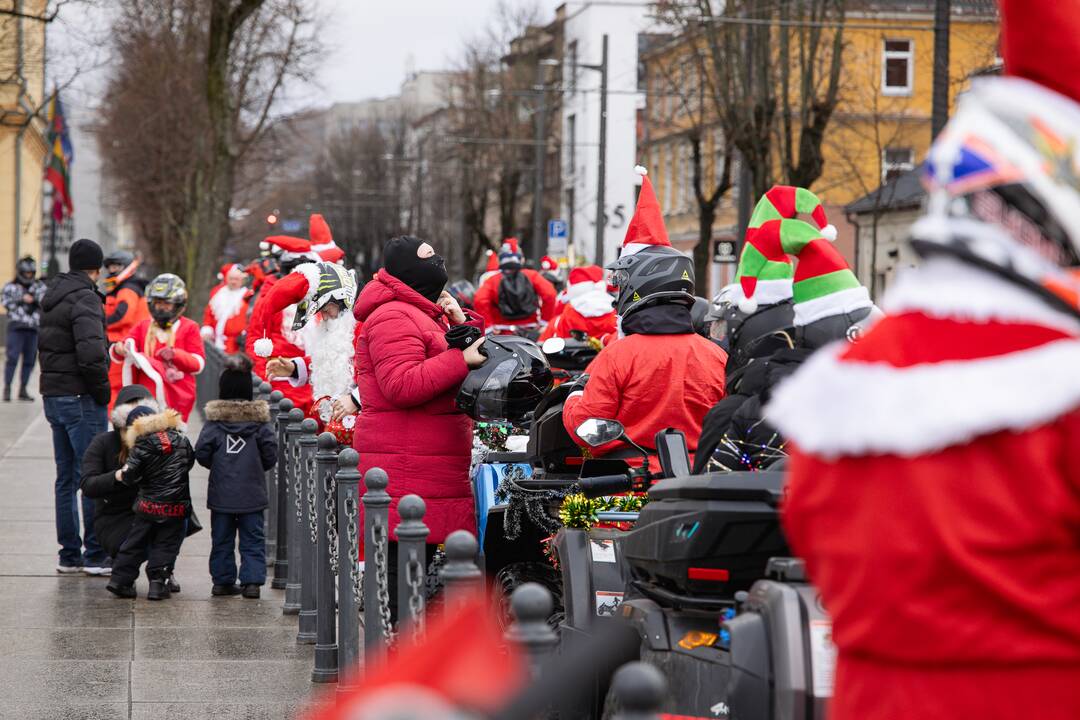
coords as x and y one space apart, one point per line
157 458
238 445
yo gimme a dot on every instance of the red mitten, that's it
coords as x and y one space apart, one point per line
173 375
166 354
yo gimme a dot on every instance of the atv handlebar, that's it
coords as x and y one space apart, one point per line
605 485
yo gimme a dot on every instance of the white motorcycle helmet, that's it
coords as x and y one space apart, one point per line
1004 188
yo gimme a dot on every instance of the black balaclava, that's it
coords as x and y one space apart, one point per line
426 276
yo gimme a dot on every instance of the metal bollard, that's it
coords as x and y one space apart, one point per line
532 604
293 508
412 563
460 575
262 389
640 689
348 517
326 560
271 485
308 532
377 626
281 556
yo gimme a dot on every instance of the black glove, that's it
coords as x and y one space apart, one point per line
460 337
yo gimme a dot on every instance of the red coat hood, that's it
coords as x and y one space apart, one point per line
385 288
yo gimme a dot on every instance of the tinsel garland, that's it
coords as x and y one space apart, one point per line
579 512
522 503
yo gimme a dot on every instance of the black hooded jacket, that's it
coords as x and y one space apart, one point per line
158 464
72 342
734 433
239 445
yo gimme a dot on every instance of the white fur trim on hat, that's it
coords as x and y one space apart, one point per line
833 408
771 292
312 274
837 303
631 248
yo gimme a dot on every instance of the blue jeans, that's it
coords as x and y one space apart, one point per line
224 527
75 420
21 343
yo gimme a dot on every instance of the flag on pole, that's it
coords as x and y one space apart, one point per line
58 166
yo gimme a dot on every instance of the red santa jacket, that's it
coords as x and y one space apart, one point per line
934 492
167 368
266 321
225 332
486 300
649 383
570 320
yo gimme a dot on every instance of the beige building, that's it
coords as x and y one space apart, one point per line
22 133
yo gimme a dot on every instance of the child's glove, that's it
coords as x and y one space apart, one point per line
173 375
166 354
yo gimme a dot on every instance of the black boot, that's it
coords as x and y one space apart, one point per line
121 591
251 591
173 585
225 590
159 590
7 393
25 396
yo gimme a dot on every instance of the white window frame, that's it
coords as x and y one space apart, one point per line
887 167
908 55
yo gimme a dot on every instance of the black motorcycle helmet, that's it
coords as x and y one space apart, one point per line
168 288
699 316
745 332
509 385
117 261
26 270
847 326
653 276
463 291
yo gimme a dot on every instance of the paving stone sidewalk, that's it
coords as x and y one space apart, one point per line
70 651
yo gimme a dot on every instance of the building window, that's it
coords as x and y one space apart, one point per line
571 56
897 66
571 137
895 162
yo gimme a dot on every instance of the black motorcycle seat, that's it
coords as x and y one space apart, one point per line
764 486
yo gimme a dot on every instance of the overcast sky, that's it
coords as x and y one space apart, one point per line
370 44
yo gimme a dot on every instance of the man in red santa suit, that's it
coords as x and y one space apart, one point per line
225 317
274 322
588 309
164 352
934 486
531 294
323 294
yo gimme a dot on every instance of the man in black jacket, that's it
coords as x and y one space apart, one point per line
75 387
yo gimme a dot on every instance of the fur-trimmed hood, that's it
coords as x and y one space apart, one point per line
118 418
253 411
168 420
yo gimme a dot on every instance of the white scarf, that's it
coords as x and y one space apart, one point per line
225 304
331 348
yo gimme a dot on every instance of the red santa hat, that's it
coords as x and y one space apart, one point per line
332 254
322 241
492 261
1038 43
548 264
582 280
301 286
646 227
224 271
282 245
510 253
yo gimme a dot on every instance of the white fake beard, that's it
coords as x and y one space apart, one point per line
225 303
331 350
296 337
592 304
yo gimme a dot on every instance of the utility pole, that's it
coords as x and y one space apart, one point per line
601 220
538 245
939 114
745 177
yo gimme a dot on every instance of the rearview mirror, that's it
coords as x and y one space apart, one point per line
596 432
553 345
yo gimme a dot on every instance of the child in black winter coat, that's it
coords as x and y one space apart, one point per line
157 459
239 445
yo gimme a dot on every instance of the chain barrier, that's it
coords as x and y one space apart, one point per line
434 581
330 505
297 487
414 577
379 540
313 508
352 516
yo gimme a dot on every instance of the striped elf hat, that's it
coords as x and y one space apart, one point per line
764 271
823 284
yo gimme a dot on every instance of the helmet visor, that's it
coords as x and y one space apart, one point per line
491 402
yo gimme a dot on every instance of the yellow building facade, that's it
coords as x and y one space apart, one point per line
22 133
881 127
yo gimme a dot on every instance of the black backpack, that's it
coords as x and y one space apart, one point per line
517 296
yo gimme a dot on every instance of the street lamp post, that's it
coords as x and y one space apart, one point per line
539 247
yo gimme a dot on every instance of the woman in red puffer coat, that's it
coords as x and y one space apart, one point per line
408 379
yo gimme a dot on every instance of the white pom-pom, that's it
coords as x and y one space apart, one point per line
747 305
641 170
207 332
264 347
829 232
264 245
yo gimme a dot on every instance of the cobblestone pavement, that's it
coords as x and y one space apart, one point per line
69 650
